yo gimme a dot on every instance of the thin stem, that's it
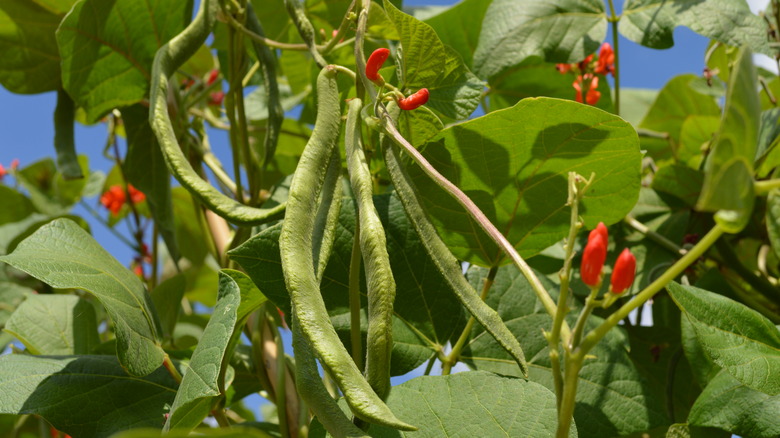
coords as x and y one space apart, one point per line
354 299
759 284
566 410
590 303
281 381
769 94
168 364
363 83
615 38
654 236
454 355
230 110
155 254
476 214
340 32
111 229
429 367
263 40
676 269
219 415
762 188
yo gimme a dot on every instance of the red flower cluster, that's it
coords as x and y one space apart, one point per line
14 166
594 256
587 82
114 198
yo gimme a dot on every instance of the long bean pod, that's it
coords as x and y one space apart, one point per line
313 391
268 66
373 246
305 29
447 264
326 222
167 60
296 248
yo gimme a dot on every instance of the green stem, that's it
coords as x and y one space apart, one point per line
340 32
676 269
615 38
762 188
759 284
566 410
219 415
111 229
654 236
230 110
590 303
454 355
363 83
281 380
354 299
171 368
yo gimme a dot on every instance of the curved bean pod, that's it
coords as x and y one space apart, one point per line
447 264
296 248
373 245
305 29
167 60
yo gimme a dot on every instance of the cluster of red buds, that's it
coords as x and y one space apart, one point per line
216 97
14 166
114 198
594 256
375 62
586 82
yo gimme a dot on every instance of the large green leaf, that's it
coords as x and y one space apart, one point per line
767 150
30 62
459 26
514 165
556 30
737 338
145 168
84 396
652 22
166 297
728 180
55 325
236 431
474 404
63 255
14 206
426 311
675 103
427 63
613 398
204 379
107 48
728 404
679 180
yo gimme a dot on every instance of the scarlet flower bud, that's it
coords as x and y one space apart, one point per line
600 229
414 101
375 62
213 74
623 274
215 99
593 259
3 172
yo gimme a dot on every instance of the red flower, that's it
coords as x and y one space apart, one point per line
114 198
623 274
3 172
414 101
585 63
216 98
592 95
563 68
15 163
600 229
606 61
593 259
213 74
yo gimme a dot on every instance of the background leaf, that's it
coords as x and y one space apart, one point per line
55 325
555 30
99 397
107 48
734 336
63 255
514 164
460 25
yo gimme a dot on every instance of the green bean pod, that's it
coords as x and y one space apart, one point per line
64 145
296 248
267 61
313 391
373 246
326 222
305 29
168 59
447 264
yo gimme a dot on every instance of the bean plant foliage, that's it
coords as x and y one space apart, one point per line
463 199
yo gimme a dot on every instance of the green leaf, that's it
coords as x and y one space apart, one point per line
14 206
679 180
145 168
613 398
470 404
674 104
84 396
459 26
635 103
728 404
31 61
696 135
555 30
427 63
235 431
63 255
514 164
773 220
55 325
767 150
205 376
49 191
419 126
64 139
11 296
734 336
426 312
728 181
107 49
167 301
652 22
